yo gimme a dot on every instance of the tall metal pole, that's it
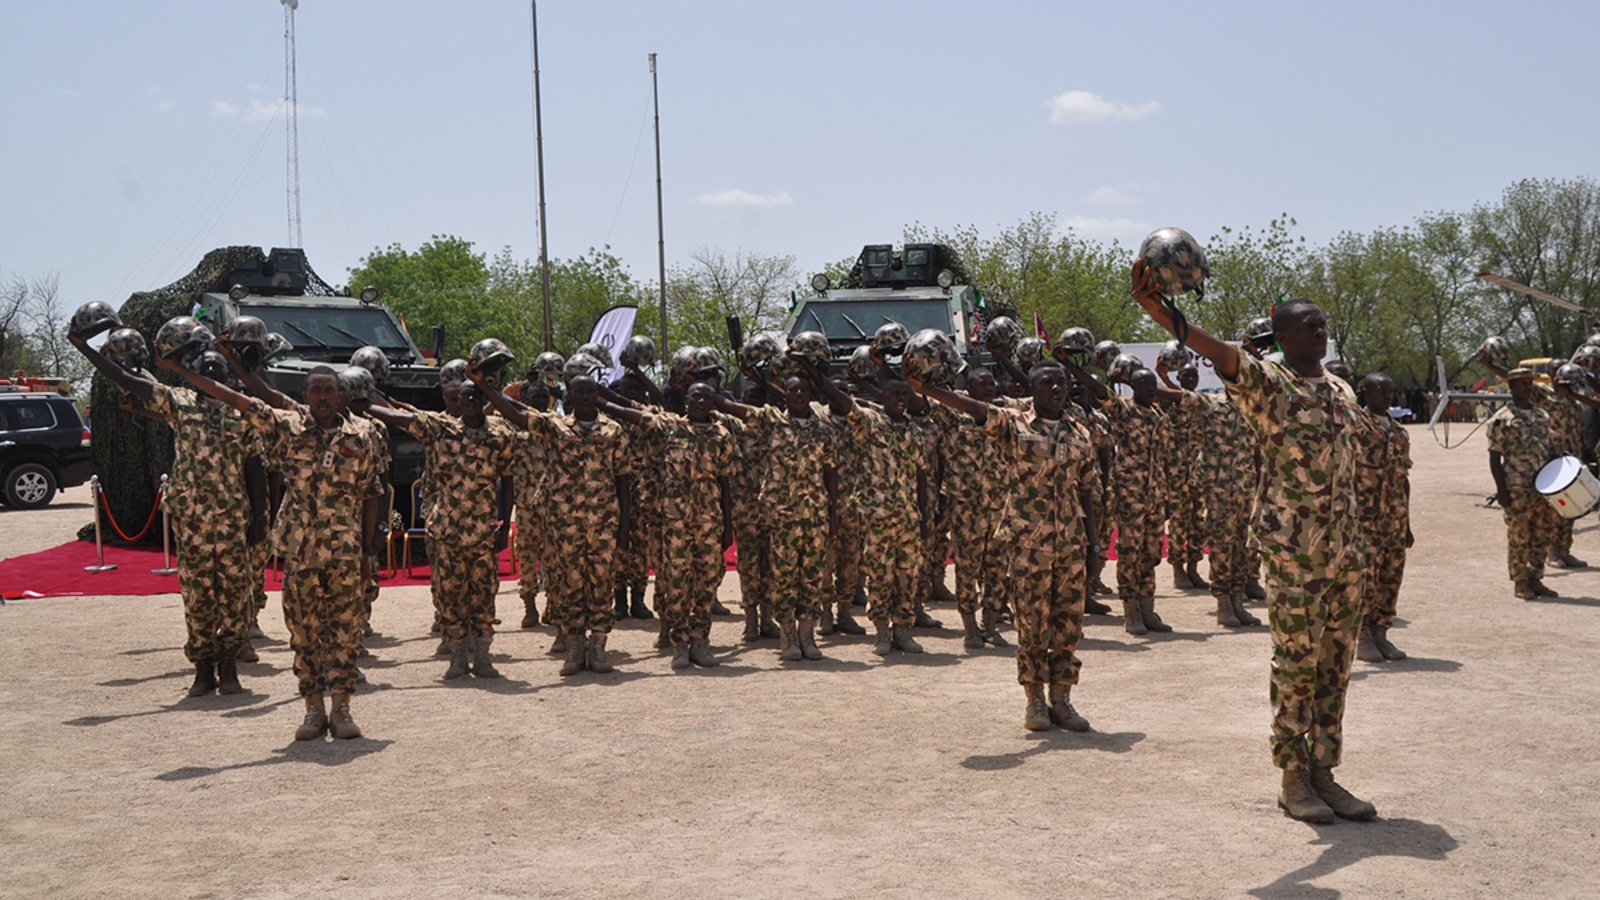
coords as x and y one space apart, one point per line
291 120
661 228
538 143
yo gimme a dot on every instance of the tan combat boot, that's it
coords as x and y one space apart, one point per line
1343 803
315 722
972 637
340 724
769 628
596 660
1227 616
1193 571
845 622
1380 637
825 626
1180 578
559 645
885 644
247 653
1061 711
482 665
228 677
806 633
460 658
1132 618
1366 650
680 657
1242 614
1300 801
700 653
530 614
574 662
752 624
205 679
1152 622
991 628
788 642
1037 717
902 640
1523 590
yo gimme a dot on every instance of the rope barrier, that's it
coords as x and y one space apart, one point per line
106 505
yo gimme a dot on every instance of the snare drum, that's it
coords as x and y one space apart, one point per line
1569 486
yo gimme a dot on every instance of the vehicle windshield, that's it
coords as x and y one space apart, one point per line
314 328
856 320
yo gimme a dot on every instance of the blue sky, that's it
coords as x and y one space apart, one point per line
143 134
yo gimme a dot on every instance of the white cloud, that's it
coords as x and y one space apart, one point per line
261 112
736 197
1075 107
1106 228
1114 195
166 106
224 108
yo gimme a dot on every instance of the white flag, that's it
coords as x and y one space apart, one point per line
611 331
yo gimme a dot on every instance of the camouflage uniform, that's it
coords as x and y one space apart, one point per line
1186 525
1522 438
1228 477
937 426
261 553
850 540
751 525
528 487
1043 523
1313 550
464 515
583 462
1385 514
644 533
1566 439
890 454
328 477
976 486
210 511
693 458
799 452
1139 489
378 434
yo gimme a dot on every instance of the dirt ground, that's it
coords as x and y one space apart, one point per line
844 778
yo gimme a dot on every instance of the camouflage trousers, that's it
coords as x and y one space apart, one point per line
800 566
1384 573
1561 540
1530 531
1315 614
369 590
1047 593
530 549
935 552
212 574
634 563
754 562
893 562
260 555
848 544
980 559
321 607
1104 503
692 566
1186 532
465 581
1228 531
1138 550
580 584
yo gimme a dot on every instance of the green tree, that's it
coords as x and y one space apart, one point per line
1545 234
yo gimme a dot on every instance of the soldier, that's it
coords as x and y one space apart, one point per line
208 503
1186 525
471 458
976 483
1313 548
644 452
849 538
528 482
1138 488
326 527
1085 411
751 524
358 385
1519 446
1384 493
587 465
1049 520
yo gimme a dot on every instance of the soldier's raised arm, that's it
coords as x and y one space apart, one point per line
129 383
1223 355
515 413
251 378
228 395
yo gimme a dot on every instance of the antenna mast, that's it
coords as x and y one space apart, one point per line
291 108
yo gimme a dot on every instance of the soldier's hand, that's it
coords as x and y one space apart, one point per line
475 374
1503 497
1143 286
227 349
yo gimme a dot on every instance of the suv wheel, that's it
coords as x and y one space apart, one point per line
30 486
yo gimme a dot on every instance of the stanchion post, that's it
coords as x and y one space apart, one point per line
166 533
99 543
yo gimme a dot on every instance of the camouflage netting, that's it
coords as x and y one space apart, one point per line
131 452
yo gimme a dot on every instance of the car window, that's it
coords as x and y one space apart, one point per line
3 420
31 414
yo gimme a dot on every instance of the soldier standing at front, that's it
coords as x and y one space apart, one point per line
333 499
1519 446
1311 540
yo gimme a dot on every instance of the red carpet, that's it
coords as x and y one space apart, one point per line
58 572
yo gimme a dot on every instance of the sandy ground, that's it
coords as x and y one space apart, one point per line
844 778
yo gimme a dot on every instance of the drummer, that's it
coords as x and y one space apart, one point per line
1519 446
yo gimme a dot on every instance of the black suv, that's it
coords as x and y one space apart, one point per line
44 446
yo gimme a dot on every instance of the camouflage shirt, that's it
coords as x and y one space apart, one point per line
1185 427
1382 471
1143 449
847 471
693 457
1566 420
1305 428
750 475
1052 461
799 451
645 449
583 461
1522 438
468 464
328 475
890 455
1227 460
207 478
975 466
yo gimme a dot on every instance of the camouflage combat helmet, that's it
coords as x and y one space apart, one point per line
1030 351
491 356
181 335
1497 350
1587 356
931 357
783 366
92 318
126 348
373 360
1174 356
1123 366
1001 336
890 339
599 353
547 367
581 365
638 353
708 363
861 367
812 346
1175 259
1571 374
1259 330
277 345
453 372
357 383
1077 340
1593 339
759 352
1103 354
682 364
246 331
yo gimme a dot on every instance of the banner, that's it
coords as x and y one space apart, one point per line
611 331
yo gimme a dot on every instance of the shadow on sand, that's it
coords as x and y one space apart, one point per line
1348 843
